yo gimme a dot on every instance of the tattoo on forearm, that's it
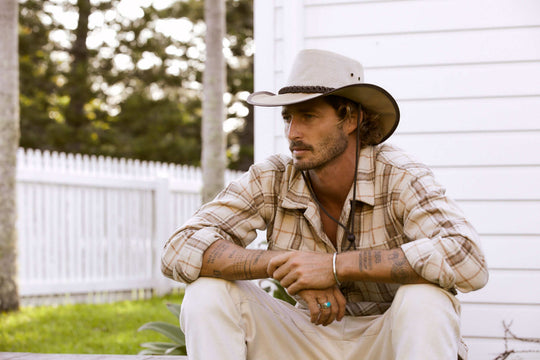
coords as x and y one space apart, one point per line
377 256
216 252
365 261
401 271
244 265
257 257
234 263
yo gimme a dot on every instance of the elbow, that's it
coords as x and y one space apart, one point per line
167 259
166 270
476 280
174 267
171 266
176 272
483 280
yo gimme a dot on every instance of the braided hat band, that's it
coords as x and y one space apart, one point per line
305 89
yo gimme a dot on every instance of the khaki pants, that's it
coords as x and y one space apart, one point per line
237 320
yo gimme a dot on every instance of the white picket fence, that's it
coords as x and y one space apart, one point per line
90 224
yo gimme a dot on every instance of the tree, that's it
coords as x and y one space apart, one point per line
40 77
213 147
58 106
135 92
9 139
78 84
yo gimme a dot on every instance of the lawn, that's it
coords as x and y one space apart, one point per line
85 328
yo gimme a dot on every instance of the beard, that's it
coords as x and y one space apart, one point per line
331 147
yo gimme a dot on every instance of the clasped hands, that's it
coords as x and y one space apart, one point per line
310 276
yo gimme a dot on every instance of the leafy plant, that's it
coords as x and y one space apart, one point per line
274 287
173 332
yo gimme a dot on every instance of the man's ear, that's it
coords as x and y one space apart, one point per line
352 119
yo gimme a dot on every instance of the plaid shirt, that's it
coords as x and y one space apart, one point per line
399 204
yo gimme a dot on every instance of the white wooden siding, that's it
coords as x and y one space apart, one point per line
466 74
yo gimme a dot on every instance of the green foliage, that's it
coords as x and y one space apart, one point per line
177 346
40 77
83 328
279 292
173 332
135 92
165 131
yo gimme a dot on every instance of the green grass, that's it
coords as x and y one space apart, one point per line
85 328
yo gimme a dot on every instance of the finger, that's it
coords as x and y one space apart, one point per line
287 281
334 308
293 284
296 281
325 317
281 271
341 302
324 313
275 263
313 309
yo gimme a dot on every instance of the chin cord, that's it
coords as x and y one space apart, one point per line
350 232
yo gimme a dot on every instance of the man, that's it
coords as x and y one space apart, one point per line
361 235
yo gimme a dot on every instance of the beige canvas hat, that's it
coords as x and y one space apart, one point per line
317 73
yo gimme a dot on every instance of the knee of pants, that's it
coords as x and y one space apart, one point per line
205 296
426 301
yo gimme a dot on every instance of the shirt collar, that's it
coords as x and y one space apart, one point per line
298 196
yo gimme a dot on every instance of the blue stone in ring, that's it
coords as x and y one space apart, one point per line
325 305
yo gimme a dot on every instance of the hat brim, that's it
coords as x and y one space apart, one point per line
371 97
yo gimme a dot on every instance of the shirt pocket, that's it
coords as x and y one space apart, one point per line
381 241
292 232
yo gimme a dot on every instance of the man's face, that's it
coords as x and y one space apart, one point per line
315 134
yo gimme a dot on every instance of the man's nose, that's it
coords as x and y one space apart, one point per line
293 130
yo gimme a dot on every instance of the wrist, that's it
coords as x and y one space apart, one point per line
345 266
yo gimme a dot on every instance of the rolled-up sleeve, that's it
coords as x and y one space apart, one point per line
234 215
443 246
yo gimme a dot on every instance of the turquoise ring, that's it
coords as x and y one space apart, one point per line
325 305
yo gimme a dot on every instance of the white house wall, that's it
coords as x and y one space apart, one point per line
466 74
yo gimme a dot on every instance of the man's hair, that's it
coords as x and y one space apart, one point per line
369 129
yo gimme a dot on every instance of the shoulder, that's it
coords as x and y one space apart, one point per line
396 160
404 174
